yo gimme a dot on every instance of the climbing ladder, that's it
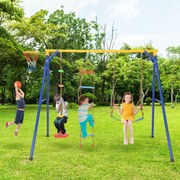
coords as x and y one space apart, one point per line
83 73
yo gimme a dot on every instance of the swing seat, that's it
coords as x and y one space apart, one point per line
116 118
139 119
58 135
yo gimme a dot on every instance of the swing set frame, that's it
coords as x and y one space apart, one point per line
155 75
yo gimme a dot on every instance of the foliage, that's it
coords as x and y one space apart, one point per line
91 96
36 33
10 10
170 69
61 30
10 50
148 100
125 72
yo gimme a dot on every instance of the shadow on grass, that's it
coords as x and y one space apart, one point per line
13 145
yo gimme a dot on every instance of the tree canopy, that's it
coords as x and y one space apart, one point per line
60 30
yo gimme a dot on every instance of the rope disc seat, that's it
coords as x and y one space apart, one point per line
31 58
61 86
83 135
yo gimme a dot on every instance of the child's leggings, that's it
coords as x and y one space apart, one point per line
83 125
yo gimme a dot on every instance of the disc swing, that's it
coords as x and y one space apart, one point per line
113 94
81 110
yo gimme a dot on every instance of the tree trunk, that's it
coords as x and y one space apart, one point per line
176 96
172 94
102 91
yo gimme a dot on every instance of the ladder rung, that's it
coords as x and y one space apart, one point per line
86 87
60 70
87 72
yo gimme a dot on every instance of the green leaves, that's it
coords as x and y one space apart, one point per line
10 11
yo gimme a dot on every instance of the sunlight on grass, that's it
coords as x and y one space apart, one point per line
147 158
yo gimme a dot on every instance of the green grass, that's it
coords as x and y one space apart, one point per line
110 159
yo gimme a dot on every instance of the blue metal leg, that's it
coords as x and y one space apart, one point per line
47 100
153 101
163 110
45 77
156 73
38 114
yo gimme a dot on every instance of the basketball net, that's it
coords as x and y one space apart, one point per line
31 58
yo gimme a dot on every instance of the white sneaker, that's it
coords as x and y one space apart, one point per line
132 140
126 141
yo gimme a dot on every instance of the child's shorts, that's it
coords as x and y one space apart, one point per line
19 117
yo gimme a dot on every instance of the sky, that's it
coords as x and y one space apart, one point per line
137 22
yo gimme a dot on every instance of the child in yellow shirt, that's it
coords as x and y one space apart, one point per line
127 112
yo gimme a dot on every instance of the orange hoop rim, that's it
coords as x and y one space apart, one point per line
31 56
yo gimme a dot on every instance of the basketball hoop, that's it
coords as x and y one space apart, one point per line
31 58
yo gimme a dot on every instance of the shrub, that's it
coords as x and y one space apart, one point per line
148 100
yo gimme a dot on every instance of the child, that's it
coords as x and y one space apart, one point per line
61 108
83 116
19 94
127 112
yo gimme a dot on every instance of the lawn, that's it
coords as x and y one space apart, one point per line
147 158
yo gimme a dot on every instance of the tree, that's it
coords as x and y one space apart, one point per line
10 10
36 32
10 59
170 68
10 50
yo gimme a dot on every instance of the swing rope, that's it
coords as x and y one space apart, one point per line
141 93
61 85
113 94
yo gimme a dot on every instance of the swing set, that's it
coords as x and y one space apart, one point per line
46 81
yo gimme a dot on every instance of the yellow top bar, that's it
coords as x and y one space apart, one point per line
47 51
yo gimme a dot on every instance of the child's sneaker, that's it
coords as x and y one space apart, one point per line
132 140
7 124
15 133
58 134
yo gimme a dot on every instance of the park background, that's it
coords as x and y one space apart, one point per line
64 30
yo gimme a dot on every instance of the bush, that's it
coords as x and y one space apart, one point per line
90 96
72 105
148 100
